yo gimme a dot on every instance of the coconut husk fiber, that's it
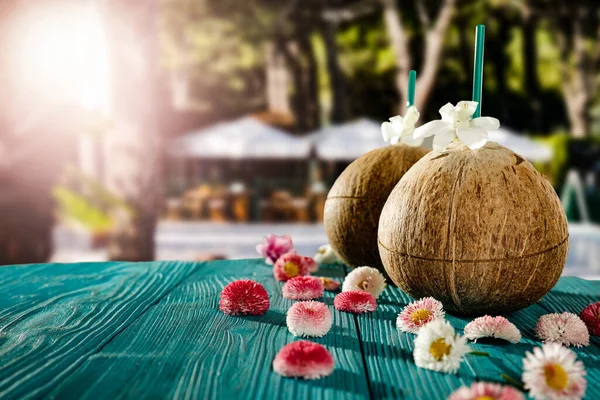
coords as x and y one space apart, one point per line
480 230
356 198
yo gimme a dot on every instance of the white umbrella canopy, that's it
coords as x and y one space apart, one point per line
246 137
522 145
348 141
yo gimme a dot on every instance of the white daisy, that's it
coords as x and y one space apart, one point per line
419 313
552 373
439 348
325 255
457 125
400 129
365 279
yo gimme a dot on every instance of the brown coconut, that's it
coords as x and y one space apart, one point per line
480 230
356 198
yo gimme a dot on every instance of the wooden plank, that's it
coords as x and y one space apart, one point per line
184 348
54 316
390 364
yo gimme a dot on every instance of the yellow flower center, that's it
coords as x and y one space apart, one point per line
556 377
439 349
485 398
364 285
321 251
291 269
419 316
326 281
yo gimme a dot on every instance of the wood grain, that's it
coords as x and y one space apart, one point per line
184 348
53 317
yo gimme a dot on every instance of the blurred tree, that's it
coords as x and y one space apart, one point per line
576 29
434 32
134 152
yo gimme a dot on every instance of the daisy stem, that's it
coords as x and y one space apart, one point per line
512 381
480 353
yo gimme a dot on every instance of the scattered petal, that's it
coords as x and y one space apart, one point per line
591 317
566 328
303 359
325 255
487 391
309 318
330 285
439 348
274 247
494 327
356 302
244 297
303 288
291 265
419 313
366 279
552 372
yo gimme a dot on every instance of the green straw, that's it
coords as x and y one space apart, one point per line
478 68
412 82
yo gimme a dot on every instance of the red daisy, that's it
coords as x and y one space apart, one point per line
591 317
303 359
303 288
355 301
244 297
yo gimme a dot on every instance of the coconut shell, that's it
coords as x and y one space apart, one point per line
480 230
356 198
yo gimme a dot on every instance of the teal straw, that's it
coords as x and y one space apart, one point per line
478 68
412 83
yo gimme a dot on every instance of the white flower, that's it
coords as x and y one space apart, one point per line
365 279
325 255
438 348
551 372
419 313
400 129
456 123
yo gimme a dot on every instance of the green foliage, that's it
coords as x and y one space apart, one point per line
74 207
559 143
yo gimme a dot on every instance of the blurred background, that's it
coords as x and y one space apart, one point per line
190 129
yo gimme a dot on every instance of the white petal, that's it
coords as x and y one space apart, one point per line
412 115
466 108
434 127
397 118
411 141
443 139
387 130
472 137
446 111
487 123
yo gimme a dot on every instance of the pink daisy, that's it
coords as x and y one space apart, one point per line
303 288
591 317
566 328
355 301
552 373
487 391
313 266
291 265
329 284
309 318
303 359
495 327
418 313
274 247
244 297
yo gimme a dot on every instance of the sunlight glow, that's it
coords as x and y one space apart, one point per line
61 53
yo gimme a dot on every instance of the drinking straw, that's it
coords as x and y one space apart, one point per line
412 82
478 68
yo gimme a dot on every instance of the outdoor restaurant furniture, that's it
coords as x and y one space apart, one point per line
154 330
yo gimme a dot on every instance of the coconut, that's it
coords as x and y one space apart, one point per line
480 230
356 198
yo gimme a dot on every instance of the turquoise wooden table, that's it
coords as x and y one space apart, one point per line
154 330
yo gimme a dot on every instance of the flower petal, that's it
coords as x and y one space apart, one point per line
435 127
465 108
412 116
472 137
446 112
410 140
443 139
387 130
487 123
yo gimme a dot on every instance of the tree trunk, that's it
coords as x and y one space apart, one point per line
336 77
133 148
434 39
